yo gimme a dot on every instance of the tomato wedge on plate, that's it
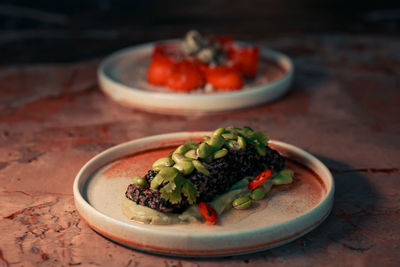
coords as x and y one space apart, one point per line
160 66
245 59
224 78
185 76
159 70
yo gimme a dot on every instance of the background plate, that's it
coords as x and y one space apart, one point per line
122 77
285 216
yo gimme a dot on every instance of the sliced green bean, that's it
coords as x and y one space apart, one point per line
157 180
200 167
216 142
186 167
206 138
242 142
203 150
283 177
182 149
241 203
231 144
229 136
220 153
177 157
258 193
162 162
218 132
191 154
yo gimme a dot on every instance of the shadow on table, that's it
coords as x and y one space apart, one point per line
355 197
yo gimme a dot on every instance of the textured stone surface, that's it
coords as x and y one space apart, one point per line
344 108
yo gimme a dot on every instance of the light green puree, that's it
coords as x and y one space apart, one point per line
220 204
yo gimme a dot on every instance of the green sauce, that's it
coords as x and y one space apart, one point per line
220 203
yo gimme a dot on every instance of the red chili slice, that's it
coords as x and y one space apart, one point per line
259 179
208 212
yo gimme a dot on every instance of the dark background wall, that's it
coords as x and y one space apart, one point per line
65 31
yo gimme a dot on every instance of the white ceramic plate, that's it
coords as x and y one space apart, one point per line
285 215
122 77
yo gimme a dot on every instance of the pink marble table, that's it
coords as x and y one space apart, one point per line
344 108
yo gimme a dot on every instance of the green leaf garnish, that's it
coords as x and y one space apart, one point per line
246 132
172 190
180 185
189 191
166 174
262 137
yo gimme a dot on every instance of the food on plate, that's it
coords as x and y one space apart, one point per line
219 64
198 181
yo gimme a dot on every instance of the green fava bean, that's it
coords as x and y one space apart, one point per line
261 150
157 180
154 184
177 157
216 142
241 203
258 193
191 154
200 167
242 142
284 177
231 144
168 173
229 136
186 167
220 153
218 132
182 149
139 181
203 150
161 163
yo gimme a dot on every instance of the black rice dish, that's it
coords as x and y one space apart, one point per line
244 153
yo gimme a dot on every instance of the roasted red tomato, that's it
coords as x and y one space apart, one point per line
170 50
224 78
185 76
160 67
245 59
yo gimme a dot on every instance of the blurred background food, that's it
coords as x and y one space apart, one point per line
67 31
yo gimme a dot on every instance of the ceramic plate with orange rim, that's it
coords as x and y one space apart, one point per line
122 77
287 212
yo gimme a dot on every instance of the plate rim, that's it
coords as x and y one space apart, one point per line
82 203
111 86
